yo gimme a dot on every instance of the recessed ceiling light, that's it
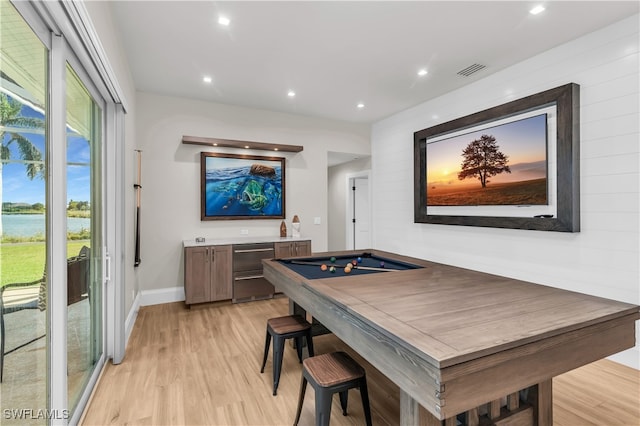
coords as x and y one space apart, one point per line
422 72
360 105
223 20
537 10
246 146
207 79
291 93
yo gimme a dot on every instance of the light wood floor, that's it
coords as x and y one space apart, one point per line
202 366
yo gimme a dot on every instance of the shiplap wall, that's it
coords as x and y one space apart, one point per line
603 258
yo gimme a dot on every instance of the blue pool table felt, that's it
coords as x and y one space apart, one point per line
310 268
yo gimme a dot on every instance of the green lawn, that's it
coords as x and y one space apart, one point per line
24 262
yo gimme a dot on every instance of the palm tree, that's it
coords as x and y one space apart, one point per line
11 123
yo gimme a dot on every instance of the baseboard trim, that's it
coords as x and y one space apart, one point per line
162 295
131 319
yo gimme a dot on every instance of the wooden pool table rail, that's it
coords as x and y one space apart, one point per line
453 339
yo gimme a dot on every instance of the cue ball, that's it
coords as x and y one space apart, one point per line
333 259
323 267
332 269
382 264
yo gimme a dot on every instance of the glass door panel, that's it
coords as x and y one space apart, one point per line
84 236
24 243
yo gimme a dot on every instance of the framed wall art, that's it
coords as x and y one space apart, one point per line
241 186
512 166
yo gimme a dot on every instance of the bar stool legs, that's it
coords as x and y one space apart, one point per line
281 329
328 374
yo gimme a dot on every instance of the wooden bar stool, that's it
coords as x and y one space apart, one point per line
281 329
328 374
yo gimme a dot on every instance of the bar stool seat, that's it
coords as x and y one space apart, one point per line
328 374
281 329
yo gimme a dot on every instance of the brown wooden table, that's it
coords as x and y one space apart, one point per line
458 341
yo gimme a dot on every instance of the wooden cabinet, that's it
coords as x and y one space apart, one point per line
207 273
292 249
233 271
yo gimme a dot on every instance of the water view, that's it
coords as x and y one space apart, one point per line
28 225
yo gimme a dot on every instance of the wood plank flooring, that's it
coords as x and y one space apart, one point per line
202 366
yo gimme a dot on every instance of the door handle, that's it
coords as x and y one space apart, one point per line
253 250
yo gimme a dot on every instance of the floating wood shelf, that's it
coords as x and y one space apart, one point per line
230 143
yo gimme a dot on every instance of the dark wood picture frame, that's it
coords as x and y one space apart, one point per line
242 187
566 99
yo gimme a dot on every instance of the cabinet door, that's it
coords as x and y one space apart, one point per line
221 273
197 275
282 250
302 248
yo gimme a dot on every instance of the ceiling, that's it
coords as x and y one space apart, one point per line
336 54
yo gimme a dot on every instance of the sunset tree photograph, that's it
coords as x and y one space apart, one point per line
501 165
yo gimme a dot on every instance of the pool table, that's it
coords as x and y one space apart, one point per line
458 342
362 263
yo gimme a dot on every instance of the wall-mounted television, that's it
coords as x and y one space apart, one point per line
512 166
500 168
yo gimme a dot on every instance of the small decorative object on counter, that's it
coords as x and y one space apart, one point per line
200 239
283 229
295 227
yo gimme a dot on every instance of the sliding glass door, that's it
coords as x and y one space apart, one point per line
84 233
52 234
24 346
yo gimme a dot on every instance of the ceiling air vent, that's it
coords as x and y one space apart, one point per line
471 69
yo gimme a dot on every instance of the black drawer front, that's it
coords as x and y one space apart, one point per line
251 285
248 257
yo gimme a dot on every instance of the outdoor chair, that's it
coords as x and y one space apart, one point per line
16 297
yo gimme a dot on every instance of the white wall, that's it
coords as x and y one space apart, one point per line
602 259
337 200
171 175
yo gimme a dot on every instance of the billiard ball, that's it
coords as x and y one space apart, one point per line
359 260
354 262
333 259
332 269
323 267
347 270
381 264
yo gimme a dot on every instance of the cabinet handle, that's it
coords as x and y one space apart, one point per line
253 250
252 277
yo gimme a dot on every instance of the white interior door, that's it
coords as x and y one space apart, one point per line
362 215
358 212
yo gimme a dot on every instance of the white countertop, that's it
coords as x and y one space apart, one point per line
242 240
